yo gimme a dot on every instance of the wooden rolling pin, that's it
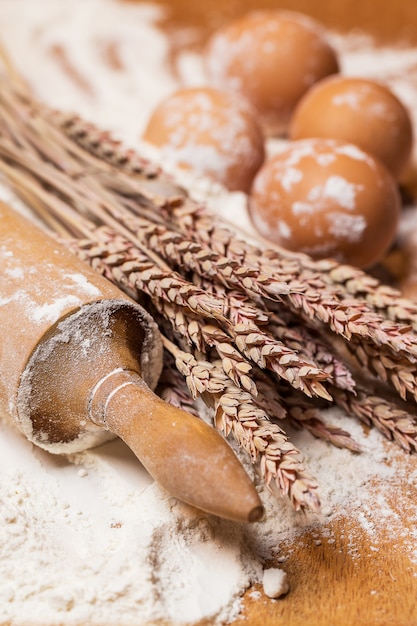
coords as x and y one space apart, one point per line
78 362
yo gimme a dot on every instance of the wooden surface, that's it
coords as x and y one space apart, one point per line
389 20
332 587
353 577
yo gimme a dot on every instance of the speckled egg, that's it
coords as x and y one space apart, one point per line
359 111
211 132
327 198
271 57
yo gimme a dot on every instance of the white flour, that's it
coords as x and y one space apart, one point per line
91 539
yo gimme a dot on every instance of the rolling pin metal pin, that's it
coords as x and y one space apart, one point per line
78 364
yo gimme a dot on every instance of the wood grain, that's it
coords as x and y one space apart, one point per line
347 580
339 574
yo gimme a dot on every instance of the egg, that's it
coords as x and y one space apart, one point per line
212 132
358 111
326 198
271 57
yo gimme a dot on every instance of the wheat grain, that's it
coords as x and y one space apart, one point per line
235 413
283 402
394 422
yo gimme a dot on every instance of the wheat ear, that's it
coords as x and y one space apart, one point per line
281 464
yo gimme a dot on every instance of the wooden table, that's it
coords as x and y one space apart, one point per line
388 20
330 587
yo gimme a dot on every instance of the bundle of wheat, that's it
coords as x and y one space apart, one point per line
261 334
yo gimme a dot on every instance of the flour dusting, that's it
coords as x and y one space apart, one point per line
89 538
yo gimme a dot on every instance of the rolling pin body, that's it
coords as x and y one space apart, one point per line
52 303
78 362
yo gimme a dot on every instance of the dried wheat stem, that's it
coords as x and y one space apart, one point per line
192 256
284 402
308 292
334 435
172 388
264 349
205 336
266 352
281 464
311 346
238 307
105 147
287 331
261 346
270 353
385 300
395 423
121 262
399 373
183 324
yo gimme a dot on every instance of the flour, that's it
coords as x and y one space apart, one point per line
90 538
274 582
106 545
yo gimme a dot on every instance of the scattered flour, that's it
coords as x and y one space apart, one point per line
338 189
106 545
275 582
89 538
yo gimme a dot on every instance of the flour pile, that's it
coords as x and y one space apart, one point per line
90 539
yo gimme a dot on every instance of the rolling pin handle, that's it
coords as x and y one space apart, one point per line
182 453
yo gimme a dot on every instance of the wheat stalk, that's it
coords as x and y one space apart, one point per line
327 432
394 422
120 261
115 259
311 346
384 299
308 291
172 388
281 464
264 348
283 402
401 375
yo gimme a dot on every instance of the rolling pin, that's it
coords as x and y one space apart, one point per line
78 364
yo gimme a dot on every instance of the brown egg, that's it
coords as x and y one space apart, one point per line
327 198
271 57
359 111
212 132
